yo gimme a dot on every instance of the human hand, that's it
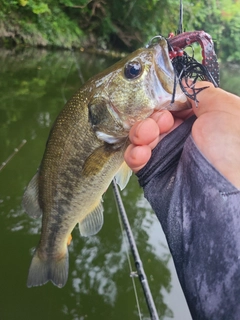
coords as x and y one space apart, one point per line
216 132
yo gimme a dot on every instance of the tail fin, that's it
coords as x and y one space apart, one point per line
42 271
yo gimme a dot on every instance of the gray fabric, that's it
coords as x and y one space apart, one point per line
199 211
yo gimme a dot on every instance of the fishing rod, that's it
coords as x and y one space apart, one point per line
180 22
138 263
137 260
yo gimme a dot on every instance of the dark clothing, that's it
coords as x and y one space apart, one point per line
199 211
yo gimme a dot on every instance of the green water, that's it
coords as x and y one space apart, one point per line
34 85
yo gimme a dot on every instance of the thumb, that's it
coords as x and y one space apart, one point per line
214 99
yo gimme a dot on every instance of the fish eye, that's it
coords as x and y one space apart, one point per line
132 69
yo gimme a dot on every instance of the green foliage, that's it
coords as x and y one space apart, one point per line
39 8
221 19
118 24
39 23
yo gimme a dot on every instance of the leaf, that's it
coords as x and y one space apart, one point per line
23 3
40 8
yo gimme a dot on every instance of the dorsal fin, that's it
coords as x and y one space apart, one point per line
123 175
93 222
30 198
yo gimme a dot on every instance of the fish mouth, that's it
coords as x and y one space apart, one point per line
169 94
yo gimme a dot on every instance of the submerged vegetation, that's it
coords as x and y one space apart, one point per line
116 24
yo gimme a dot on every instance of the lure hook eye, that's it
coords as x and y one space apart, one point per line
154 40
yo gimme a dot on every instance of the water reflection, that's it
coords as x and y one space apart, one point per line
101 268
34 87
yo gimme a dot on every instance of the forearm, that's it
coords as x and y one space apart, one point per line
200 215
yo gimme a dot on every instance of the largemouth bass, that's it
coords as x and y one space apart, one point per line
85 151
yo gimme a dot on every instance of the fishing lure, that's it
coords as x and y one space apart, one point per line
187 67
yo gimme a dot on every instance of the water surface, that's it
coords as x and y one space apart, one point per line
35 84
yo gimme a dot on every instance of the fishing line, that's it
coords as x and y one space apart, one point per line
80 75
138 263
65 83
132 273
69 68
68 73
16 150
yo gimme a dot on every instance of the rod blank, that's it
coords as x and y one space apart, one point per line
138 263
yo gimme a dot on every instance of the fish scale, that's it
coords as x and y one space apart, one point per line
85 151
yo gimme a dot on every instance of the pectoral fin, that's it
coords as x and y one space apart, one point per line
93 222
123 175
30 198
